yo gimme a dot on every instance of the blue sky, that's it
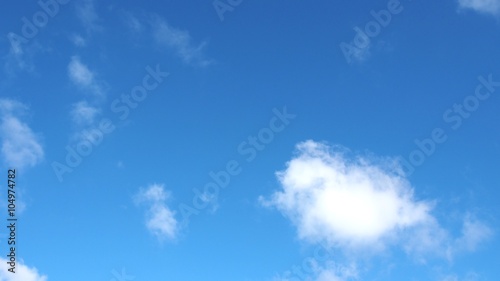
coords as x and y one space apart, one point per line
251 140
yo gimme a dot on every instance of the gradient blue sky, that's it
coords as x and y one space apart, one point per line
376 163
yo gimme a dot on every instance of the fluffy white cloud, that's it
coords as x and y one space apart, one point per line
160 218
20 146
481 6
179 41
354 202
345 201
23 273
359 204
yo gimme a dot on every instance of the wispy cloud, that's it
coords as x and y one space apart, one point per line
86 13
132 22
329 271
20 56
491 7
474 232
20 146
160 219
471 276
355 202
15 59
78 40
334 272
84 114
180 42
23 273
83 77
79 73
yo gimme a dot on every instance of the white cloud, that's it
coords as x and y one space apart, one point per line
328 271
21 55
15 60
345 201
133 22
23 273
160 219
450 278
83 77
332 271
481 6
80 73
78 40
179 41
429 240
471 276
432 239
20 146
328 275
84 114
359 204
354 202
474 232
86 13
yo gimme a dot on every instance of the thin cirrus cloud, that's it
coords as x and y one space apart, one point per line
15 59
21 147
473 233
23 273
86 13
491 7
334 272
354 202
20 57
83 77
470 276
180 42
329 271
80 74
160 220
78 40
132 22
84 114
176 40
